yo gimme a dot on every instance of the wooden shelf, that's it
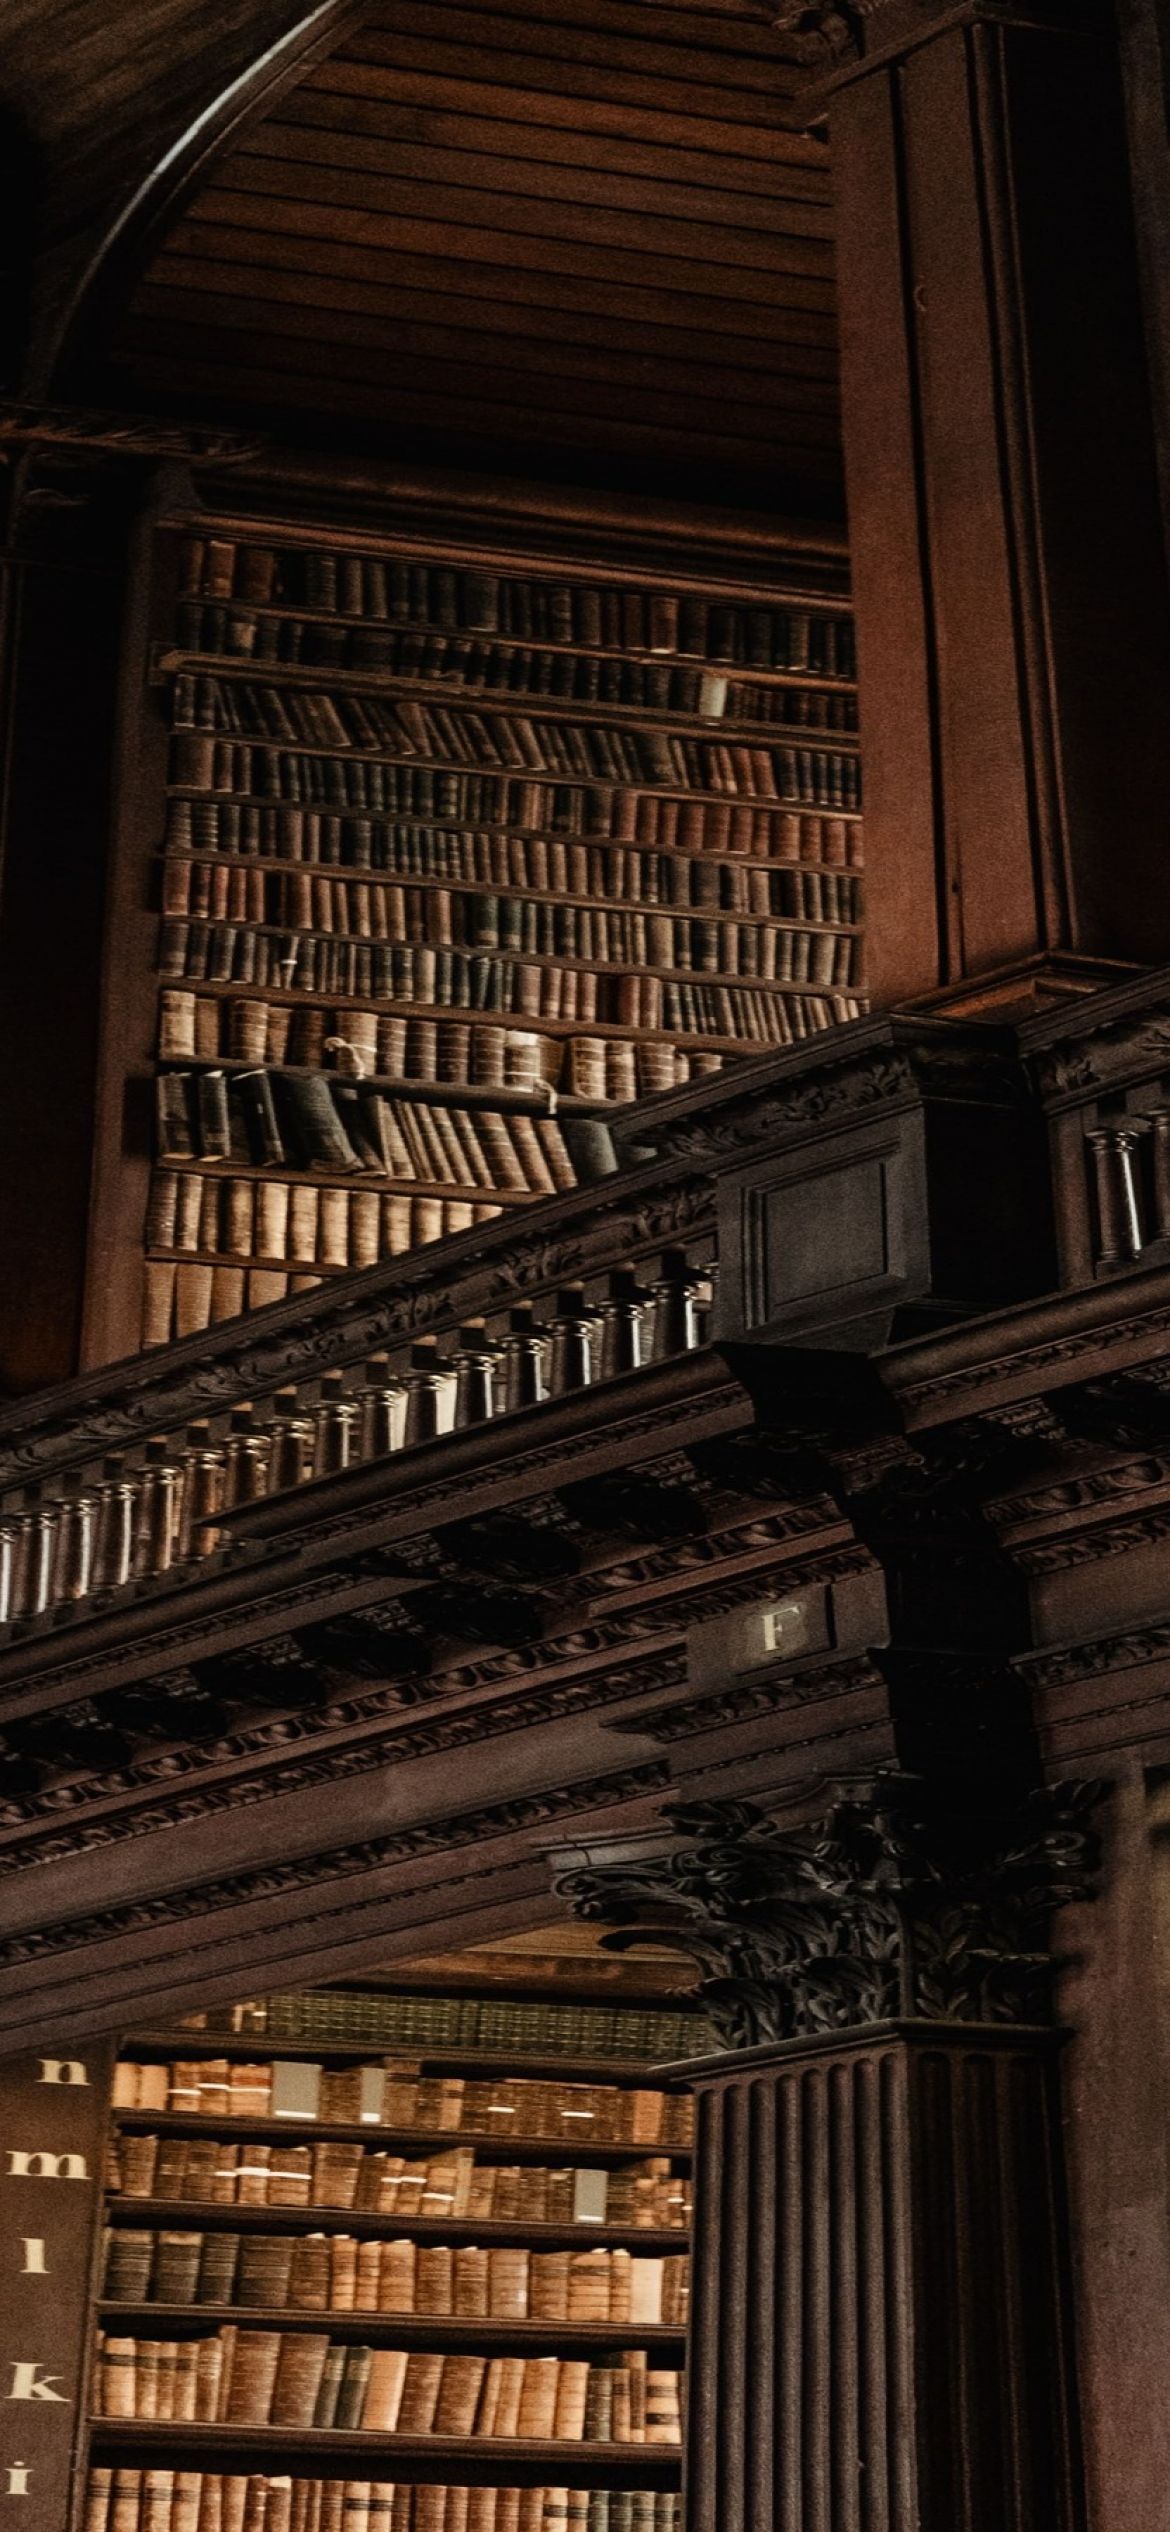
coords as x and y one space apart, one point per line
480 2232
490 2145
210 856
530 834
505 2459
443 2057
402 2329
392 683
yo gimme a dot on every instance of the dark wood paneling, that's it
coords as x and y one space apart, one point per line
579 240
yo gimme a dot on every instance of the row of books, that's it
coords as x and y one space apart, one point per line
204 2501
125 2500
395 2094
422 2022
457 950
481 981
448 2188
241 892
243 888
183 1299
334 2273
323 1121
213 749
524 606
648 829
302 2378
474 665
401 1047
290 1222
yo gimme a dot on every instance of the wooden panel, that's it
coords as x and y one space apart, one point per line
579 240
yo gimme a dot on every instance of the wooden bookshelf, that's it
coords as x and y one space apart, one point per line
429 2057
490 2146
427 2330
491 708
201 2214
506 2459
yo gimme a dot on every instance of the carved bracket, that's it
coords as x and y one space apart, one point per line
895 1905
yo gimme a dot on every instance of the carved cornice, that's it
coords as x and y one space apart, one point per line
308 1764
768 1693
1077 1067
1104 1653
236 1891
895 1906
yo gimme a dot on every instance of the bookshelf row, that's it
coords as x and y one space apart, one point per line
476 2233
448 2188
548 678
242 2377
665 850
313 1122
222 2083
800 639
282 891
458 2286
154 2500
566 999
496 2459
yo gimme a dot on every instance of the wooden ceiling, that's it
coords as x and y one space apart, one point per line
570 237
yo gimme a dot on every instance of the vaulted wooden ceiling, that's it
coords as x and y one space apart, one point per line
575 237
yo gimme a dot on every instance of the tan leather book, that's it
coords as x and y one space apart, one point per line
310 2273
297 2383
435 2278
367 2269
343 2273
470 2283
116 2371
235 2502
253 2175
460 2392
125 2500
289 2175
508 2283
253 2378
537 2402
397 2276
663 2420
98 2500
184 2380
493 2383
549 2286
634 2369
148 2373
158 2490
210 2362
280 2505
420 2393
572 2392
383 2401
646 2290
589 2286
481 2513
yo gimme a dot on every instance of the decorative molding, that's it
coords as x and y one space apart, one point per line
897 1905
1127 1050
316 1872
767 1693
1072 1662
439 1732
94 432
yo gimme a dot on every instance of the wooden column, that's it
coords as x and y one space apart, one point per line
1009 571
880 2321
880 2330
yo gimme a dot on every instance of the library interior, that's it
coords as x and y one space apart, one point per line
585 1135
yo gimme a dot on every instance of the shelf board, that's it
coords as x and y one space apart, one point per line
501 2458
479 2232
405 2329
452 694
211 856
444 2057
490 2145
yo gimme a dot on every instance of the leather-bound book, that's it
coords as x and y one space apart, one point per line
253 2378
663 2418
309 2275
397 2276
384 2389
211 2363
176 2267
185 2501
218 2259
265 2269
329 2395
158 2490
300 2366
435 2278
535 2408
420 2394
355 2380
459 2395
98 2500
470 2275
572 2392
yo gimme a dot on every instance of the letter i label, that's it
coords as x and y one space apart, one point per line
34 2256
18 2475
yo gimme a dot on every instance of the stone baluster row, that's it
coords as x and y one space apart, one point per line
133 1522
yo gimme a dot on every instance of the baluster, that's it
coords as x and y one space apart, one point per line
117 1493
673 1294
335 1422
475 1368
381 1410
73 1562
292 1444
525 1349
37 1549
1119 1215
572 1344
427 1377
246 1453
203 1492
1160 1123
9 1545
160 1499
621 1315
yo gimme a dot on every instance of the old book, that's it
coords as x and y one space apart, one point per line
176 2267
211 2361
420 2393
646 2290
297 2385
459 2394
355 2377
383 2399
295 2089
397 2276
117 2365
264 2271
329 2394
309 2275
514 2374
129 2258
590 2195
218 2257
253 2377
434 2278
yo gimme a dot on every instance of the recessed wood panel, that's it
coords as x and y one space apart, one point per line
577 240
